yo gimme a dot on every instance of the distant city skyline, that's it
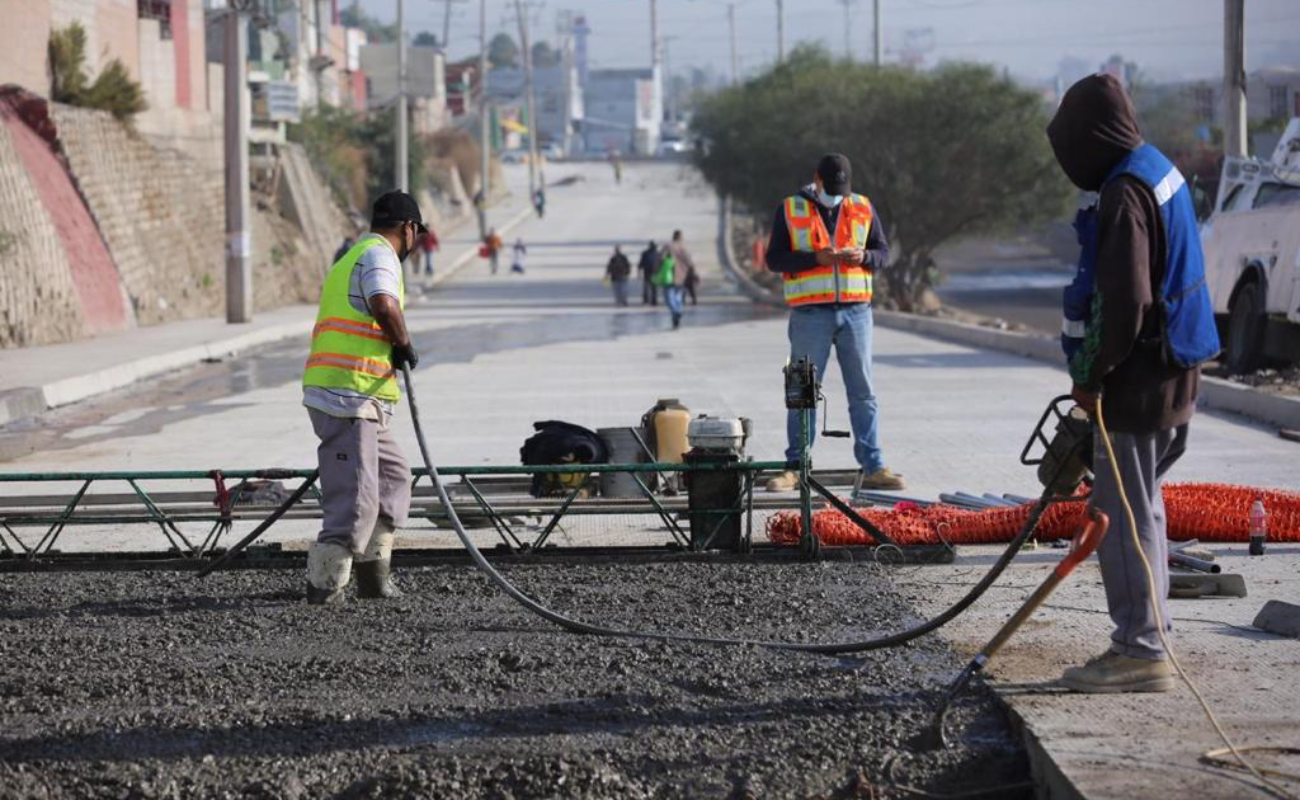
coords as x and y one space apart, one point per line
1168 39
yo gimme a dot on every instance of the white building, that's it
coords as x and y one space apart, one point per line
624 111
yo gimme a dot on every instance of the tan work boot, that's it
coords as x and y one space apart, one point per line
375 566
329 567
1112 673
882 480
787 481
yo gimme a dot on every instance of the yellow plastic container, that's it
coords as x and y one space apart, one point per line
671 425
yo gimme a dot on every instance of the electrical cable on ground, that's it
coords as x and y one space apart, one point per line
1160 627
578 626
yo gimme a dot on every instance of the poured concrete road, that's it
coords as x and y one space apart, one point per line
500 352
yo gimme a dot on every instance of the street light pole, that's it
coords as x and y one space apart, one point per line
780 31
879 33
530 97
484 122
239 246
731 23
402 177
1234 78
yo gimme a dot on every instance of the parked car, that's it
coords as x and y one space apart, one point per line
1252 256
673 147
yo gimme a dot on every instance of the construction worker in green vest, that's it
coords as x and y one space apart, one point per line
350 389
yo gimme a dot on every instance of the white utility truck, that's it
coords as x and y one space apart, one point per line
1252 256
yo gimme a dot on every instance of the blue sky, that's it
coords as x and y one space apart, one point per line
1168 38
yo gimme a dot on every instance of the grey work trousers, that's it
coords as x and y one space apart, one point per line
1143 461
363 476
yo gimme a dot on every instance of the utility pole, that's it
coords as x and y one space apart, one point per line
402 177
670 99
1234 78
731 23
848 28
530 98
239 245
446 24
880 34
485 132
780 31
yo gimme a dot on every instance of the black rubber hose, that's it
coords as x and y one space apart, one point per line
829 648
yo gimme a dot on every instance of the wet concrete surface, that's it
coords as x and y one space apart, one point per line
156 684
191 393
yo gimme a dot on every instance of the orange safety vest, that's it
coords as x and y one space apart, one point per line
834 284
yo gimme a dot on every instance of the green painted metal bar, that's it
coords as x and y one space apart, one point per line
503 528
663 513
52 535
168 527
284 474
555 520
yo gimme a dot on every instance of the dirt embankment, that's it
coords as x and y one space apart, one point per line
159 685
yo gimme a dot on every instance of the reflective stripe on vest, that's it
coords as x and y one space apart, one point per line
348 348
808 235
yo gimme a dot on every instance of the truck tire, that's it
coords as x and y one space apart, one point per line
1246 324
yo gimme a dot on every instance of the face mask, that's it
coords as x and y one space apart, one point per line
406 249
828 200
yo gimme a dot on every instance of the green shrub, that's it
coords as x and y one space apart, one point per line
113 90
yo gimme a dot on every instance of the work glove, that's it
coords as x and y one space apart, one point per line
405 355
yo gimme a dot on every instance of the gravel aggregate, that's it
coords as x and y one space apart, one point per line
158 685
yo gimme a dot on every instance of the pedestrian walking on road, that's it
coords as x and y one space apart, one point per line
1150 326
691 283
646 266
350 390
828 286
539 202
617 164
682 264
617 271
428 244
517 257
491 249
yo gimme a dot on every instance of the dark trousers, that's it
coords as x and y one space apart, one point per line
649 292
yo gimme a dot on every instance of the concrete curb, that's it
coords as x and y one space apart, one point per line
727 258
1217 394
465 259
24 402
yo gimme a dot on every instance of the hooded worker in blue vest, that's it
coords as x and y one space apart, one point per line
1138 323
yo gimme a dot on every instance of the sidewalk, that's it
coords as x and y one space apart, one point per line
33 379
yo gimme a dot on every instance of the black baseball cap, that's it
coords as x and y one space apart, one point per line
394 208
836 173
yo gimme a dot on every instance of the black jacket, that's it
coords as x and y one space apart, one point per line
781 257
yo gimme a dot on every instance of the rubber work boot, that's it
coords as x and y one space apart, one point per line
375 566
787 481
329 567
1112 673
882 479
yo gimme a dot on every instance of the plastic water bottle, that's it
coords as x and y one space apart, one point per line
1258 527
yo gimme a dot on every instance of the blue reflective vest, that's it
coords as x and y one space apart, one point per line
1186 314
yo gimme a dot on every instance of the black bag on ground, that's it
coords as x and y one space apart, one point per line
561 443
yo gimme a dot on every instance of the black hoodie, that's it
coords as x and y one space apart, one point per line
1093 130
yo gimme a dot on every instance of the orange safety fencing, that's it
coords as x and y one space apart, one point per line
1210 512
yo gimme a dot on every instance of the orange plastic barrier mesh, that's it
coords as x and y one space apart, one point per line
1210 512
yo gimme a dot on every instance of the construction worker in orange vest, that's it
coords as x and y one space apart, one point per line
828 280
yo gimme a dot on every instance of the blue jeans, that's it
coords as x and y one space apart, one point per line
813 329
673 299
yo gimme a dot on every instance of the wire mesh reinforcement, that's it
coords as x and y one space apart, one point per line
1210 512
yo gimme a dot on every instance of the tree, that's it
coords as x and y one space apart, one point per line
376 31
113 90
502 51
942 154
425 39
546 56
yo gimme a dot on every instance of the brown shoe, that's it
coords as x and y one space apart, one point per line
787 481
882 480
1112 673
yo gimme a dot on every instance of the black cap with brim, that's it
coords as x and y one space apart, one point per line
395 208
836 173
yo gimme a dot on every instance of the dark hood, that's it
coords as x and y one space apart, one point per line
1093 130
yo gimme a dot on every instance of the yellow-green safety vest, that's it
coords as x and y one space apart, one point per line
348 348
